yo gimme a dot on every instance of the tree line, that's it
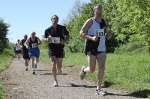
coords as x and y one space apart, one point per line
3 35
128 20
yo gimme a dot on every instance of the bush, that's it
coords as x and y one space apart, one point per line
133 47
44 44
3 35
75 45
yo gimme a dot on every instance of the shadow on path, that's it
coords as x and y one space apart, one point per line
52 74
137 94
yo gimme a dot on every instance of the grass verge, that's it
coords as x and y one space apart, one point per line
123 71
5 59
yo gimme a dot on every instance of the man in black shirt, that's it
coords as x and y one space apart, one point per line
25 51
56 35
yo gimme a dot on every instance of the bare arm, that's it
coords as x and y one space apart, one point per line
39 41
85 29
27 43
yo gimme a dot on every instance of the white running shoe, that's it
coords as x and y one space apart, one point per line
100 92
82 73
55 84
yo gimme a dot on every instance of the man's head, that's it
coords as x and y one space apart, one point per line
33 34
25 36
18 41
54 19
97 10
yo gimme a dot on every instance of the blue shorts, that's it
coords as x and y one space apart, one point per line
34 52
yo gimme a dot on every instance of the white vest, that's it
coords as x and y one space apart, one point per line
93 30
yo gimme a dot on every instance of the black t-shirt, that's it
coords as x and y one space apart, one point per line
22 43
60 31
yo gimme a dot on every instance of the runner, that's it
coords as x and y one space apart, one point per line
94 31
25 52
56 36
34 51
18 49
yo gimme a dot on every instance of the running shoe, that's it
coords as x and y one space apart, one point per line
26 69
82 73
55 84
100 92
33 73
59 72
35 65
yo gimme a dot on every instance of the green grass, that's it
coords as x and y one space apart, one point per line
5 59
123 71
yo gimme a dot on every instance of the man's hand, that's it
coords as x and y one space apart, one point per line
94 38
49 38
62 42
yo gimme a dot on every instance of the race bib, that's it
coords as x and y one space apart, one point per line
34 45
100 32
17 49
55 40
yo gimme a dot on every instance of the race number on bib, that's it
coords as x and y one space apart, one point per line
55 40
34 45
100 32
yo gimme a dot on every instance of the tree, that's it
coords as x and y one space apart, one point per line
128 20
3 35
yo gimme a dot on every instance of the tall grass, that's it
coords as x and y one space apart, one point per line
5 59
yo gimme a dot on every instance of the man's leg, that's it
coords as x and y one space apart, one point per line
59 65
101 58
54 70
19 56
33 64
26 64
91 68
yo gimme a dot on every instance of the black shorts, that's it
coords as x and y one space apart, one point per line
58 53
91 47
18 51
25 54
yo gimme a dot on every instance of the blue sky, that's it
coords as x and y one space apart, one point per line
25 16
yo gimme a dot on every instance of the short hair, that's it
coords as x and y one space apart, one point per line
25 35
33 33
55 16
97 6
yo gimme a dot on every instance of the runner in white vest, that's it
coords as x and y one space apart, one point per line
94 32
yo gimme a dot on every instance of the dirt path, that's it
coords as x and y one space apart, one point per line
21 84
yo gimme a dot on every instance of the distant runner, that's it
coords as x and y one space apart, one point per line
25 52
94 31
56 36
34 51
18 49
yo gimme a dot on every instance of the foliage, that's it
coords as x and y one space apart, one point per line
128 20
133 48
3 35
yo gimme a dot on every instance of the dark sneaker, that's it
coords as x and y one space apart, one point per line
35 66
100 92
26 69
82 73
33 73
